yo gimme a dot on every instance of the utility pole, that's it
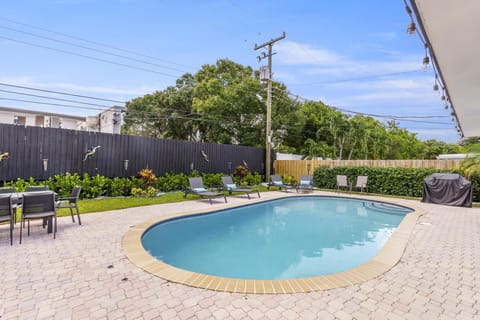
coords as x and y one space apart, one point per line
268 145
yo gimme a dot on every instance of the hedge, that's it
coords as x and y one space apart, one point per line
389 181
98 186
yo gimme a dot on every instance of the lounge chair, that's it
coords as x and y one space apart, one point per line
70 203
197 187
6 213
342 182
361 183
277 182
230 186
305 184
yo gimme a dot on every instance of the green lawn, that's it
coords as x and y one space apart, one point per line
105 204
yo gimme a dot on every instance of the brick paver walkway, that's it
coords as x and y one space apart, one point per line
83 274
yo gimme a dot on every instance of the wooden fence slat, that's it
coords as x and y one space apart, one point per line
300 167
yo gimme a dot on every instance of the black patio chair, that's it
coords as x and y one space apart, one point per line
197 187
305 184
39 205
71 203
6 213
230 186
16 201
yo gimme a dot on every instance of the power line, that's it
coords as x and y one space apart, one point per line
95 42
59 92
51 104
89 57
52 98
185 116
92 49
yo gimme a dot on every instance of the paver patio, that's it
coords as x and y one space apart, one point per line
83 274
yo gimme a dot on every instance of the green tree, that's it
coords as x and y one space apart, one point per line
163 114
433 148
225 99
470 140
226 96
471 164
220 103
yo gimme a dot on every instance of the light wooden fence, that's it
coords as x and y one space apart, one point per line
300 167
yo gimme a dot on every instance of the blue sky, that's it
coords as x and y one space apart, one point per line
353 55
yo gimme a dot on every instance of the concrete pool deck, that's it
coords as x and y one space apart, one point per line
84 274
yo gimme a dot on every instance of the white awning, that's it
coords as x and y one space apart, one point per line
452 30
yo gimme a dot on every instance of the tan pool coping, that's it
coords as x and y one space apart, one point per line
387 257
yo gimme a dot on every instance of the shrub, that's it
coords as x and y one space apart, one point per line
242 170
63 184
171 181
147 176
288 179
139 192
123 186
390 181
20 184
212 180
96 186
252 179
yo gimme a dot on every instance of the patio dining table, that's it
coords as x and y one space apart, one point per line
17 201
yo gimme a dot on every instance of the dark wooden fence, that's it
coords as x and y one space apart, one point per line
66 149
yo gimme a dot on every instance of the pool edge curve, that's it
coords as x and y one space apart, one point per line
387 257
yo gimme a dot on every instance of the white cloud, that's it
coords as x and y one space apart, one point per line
387 36
76 88
290 52
313 61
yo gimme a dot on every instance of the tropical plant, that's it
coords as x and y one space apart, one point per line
147 176
471 164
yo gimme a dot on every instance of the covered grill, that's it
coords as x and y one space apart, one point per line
447 188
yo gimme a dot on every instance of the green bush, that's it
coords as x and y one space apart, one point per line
390 181
288 179
253 179
139 192
212 180
63 184
20 184
123 186
171 181
96 186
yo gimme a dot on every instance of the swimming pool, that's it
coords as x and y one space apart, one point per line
288 238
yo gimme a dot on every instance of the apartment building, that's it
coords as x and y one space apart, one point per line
107 121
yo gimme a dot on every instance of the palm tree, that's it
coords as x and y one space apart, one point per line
471 164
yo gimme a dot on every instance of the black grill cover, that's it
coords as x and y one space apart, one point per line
447 188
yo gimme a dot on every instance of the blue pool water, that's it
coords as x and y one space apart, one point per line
280 239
